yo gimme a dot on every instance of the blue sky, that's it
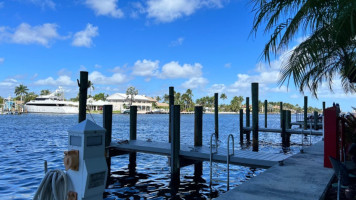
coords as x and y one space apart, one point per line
204 45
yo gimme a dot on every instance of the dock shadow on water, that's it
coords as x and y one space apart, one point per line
149 178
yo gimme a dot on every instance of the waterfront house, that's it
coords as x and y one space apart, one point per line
121 102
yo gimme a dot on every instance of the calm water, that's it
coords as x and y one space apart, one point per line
28 140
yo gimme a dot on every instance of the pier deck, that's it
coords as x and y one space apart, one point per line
302 177
291 131
241 157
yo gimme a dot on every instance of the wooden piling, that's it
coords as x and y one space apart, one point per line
323 107
289 119
216 112
175 143
83 92
254 91
198 126
107 124
305 111
241 126
248 133
280 112
171 103
266 113
283 127
198 139
316 116
133 122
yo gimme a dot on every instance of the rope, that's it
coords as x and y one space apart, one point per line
53 186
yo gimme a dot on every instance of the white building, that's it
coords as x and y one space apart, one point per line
121 102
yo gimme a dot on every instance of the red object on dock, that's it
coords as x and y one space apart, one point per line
331 144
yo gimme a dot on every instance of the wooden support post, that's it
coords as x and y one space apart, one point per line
284 133
305 111
198 139
248 133
216 112
266 113
171 103
289 119
316 116
254 91
175 143
323 107
280 112
107 124
198 126
83 92
241 126
133 122
132 164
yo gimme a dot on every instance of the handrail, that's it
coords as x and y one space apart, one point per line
228 158
211 155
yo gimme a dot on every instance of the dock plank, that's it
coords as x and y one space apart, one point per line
241 157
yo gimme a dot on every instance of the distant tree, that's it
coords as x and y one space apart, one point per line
223 96
158 98
21 90
45 92
91 87
100 96
166 98
75 99
30 96
1 100
131 92
235 104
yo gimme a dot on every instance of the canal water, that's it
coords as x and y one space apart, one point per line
30 139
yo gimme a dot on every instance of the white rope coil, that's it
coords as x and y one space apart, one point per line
53 186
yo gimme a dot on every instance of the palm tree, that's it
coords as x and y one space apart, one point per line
328 50
158 98
21 90
131 92
45 92
223 96
91 87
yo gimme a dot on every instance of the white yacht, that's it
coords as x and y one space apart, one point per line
52 103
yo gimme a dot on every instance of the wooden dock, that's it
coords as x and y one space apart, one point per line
202 153
290 131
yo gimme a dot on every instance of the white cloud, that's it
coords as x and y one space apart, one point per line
2 60
105 7
227 65
168 10
174 70
27 34
2 4
60 81
146 68
44 3
195 82
64 72
96 66
98 78
177 42
217 88
84 38
9 82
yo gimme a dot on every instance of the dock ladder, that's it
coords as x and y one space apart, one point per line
227 157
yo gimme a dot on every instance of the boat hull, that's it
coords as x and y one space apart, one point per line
52 109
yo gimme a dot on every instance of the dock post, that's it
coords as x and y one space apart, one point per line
280 112
248 118
241 126
316 119
171 103
107 124
289 119
323 107
254 91
305 111
198 139
133 136
133 122
83 92
283 133
216 112
175 143
266 113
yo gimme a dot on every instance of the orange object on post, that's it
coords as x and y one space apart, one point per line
71 160
331 138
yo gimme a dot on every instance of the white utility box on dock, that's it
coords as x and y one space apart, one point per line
86 144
